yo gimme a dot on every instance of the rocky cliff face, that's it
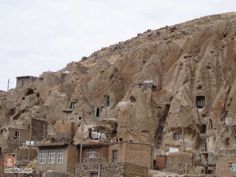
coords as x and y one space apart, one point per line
165 87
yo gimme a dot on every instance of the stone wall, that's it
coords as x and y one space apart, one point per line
179 162
111 170
23 153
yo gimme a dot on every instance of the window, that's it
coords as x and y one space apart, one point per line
233 167
203 128
23 82
51 157
72 105
42 157
17 134
60 155
107 100
94 174
97 112
132 99
92 153
114 156
200 101
210 124
176 136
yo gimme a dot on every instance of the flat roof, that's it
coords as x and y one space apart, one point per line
21 77
51 144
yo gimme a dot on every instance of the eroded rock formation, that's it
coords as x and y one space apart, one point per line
171 87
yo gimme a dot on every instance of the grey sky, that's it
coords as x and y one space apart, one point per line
42 35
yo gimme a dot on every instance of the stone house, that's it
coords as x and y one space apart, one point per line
19 134
133 153
180 162
56 157
21 81
16 138
123 159
95 152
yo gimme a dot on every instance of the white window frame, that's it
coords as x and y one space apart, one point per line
92 153
51 156
60 156
42 157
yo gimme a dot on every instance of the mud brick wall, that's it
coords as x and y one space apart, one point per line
179 163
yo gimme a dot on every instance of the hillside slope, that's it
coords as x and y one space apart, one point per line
160 83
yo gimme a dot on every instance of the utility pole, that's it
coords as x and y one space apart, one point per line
8 84
81 139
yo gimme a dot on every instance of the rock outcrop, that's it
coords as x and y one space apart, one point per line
165 87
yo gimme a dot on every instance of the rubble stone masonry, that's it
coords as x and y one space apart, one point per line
111 169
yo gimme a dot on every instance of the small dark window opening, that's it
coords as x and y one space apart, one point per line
90 133
203 128
12 111
227 141
176 136
120 139
0 150
72 105
210 124
29 91
132 99
17 134
94 174
1 131
106 100
97 112
209 172
200 101
114 128
114 156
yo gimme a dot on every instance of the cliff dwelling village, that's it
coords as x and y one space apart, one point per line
161 104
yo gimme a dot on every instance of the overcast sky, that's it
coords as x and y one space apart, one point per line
45 35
